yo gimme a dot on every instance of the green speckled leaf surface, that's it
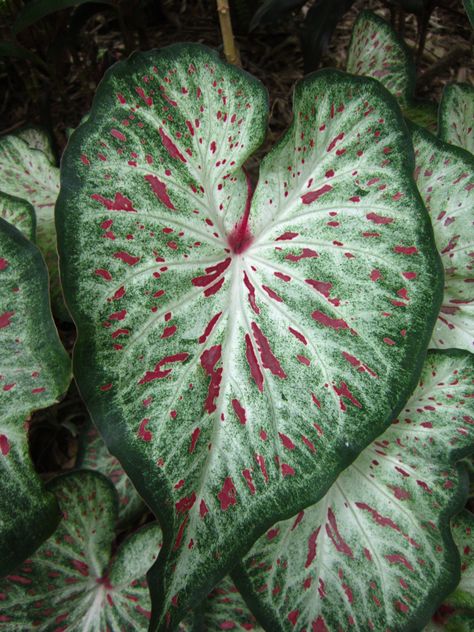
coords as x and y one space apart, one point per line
445 179
199 324
73 583
34 373
456 116
19 213
375 553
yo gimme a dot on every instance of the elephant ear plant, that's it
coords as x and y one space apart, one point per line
237 349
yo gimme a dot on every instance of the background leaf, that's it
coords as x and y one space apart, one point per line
456 116
37 9
445 178
72 582
38 138
375 553
34 372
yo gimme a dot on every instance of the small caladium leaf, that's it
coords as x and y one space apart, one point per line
456 116
38 138
20 213
226 358
445 178
72 582
34 372
28 174
377 51
94 455
225 609
463 533
375 553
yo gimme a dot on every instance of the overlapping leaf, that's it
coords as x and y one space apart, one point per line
37 138
375 552
231 366
95 456
377 51
20 213
34 372
456 116
72 583
445 179
27 173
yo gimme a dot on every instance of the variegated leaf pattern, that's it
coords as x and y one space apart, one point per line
375 552
38 138
27 173
463 533
456 116
72 583
20 213
377 51
95 456
227 360
225 609
445 179
34 372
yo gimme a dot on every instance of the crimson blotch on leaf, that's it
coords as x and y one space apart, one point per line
237 351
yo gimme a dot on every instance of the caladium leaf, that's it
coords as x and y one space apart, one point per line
377 51
38 138
469 6
445 178
20 213
72 582
95 456
34 372
198 327
225 609
375 553
456 116
28 174
463 533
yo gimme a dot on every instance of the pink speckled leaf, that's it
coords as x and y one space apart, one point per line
227 359
20 213
456 116
375 553
225 609
34 373
73 583
377 51
95 456
27 173
445 178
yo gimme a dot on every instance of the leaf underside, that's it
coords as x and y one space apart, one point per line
27 173
34 372
375 553
445 178
72 583
377 51
197 332
456 116
19 213
95 456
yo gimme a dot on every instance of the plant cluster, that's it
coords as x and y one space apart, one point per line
283 376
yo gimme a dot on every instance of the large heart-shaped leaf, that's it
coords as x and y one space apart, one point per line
20 213
95 456
34 372
72 583
445 178
227 360
27 173
377 51
38 138
456 116
375 553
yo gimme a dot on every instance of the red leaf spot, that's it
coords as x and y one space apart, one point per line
194 438
143 433
227 495
287 470
5 319
209 359
185 504
159 189
327 321
4 445
248 479
389 341
261 463
379 219
293 617
168 331
170 146
255 371
286 441
126 258
239 411
311 196
405 250
269 361
116 134
203 510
